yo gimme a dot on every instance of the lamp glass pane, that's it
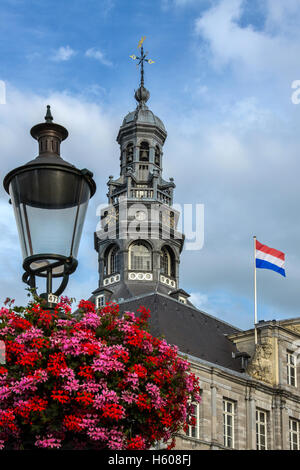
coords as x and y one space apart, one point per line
50 207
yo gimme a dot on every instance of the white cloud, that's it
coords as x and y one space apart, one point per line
249 50
91 144
243 165
199 300
98 55
63 54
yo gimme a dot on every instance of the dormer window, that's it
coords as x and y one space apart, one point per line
129 153
157 156
100 301
144 152
180 295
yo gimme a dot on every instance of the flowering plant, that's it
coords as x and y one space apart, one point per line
99 380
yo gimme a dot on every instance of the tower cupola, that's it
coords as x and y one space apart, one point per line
139 262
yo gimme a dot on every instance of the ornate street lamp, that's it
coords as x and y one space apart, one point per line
50 198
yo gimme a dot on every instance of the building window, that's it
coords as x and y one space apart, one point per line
129 153
261 430
144 152
228 422
140 258
291 369
167 267
157 156
294 434
100 301
193 429
112 261
182 300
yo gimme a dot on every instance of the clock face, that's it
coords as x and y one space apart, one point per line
140 215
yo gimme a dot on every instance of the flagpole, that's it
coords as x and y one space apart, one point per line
255 292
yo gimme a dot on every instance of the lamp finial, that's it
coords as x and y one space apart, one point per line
48 117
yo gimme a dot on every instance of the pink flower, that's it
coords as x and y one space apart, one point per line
29 335
107 396
98 434
48 442
4 392
129 397
132 379
91 320
115 439
154 392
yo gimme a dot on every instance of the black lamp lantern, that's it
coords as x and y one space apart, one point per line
50 198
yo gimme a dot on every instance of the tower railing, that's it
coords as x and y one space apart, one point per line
143 194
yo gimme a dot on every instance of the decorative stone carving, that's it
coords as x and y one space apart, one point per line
294 328
261 365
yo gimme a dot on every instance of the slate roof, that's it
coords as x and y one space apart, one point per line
129 289
194 332
143 116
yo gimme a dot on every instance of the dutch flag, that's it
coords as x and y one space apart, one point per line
269 258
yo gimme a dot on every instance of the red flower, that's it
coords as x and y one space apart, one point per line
28 359
140 370
61 396
85 398
120 354
7 418
56 363
39 343
72 423
20 323
35 404
86 371
143 402
87 306
113 411
90 349
136 443
145 315
45 318
136 337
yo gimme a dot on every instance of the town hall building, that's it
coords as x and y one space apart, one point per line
250 393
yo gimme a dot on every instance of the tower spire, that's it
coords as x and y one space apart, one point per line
142 94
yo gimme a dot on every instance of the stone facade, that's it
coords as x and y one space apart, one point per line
264 386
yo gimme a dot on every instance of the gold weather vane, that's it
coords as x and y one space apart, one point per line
142 59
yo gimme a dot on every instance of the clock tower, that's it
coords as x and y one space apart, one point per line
137 240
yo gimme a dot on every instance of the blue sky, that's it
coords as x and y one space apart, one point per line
221 83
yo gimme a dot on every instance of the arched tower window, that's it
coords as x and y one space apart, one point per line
144 152
167 262
112 260
140 257
157 156
129 153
